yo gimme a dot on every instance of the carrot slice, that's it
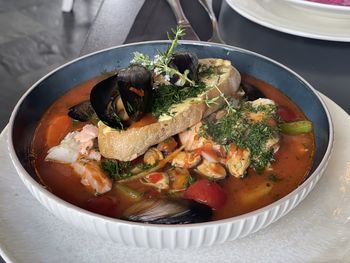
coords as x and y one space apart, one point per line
58 128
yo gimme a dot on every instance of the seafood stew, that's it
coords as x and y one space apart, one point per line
247 146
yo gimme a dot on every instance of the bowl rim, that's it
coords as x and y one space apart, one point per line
323 6
41 189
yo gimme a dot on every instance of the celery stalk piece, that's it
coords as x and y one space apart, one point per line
297 127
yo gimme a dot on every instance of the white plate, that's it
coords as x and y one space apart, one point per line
315 8
318 230
279 15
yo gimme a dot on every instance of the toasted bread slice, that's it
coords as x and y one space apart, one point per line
126 145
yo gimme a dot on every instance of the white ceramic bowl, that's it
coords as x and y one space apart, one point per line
319 9
34 103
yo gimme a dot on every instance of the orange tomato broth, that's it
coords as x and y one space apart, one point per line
292 161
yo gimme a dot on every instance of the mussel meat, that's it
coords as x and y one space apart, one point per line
124 97
135 88
185 61
166 211
251 92
103 99
82 111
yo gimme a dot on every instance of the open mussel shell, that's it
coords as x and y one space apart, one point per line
251 92
82 111
166 211
185 61
135 88
102 97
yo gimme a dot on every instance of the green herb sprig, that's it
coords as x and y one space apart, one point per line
160 63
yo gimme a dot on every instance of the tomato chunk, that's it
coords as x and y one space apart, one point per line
207 192
286 114
155 177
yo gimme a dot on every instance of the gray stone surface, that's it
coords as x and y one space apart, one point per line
20 26
32 53
36 37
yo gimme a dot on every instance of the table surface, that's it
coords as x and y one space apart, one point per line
324 64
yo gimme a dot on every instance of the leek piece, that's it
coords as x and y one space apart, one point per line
128 191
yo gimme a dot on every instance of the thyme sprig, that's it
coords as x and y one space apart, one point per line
178 33
229 106
161 61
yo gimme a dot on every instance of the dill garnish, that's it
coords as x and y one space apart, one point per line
166 96
235 127
205 71
255 141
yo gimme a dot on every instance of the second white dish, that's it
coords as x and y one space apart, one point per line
280 16
315 8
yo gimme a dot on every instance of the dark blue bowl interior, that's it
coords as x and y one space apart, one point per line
53 86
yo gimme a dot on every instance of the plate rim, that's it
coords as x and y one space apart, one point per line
250 16
323 6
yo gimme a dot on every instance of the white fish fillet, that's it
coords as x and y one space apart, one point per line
66 152
74 144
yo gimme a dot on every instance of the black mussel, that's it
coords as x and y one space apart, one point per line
123 97
103 98
185 61
165 211
135 88
82 111
251 92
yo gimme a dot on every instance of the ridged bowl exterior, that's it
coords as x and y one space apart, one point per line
175 236
171 237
